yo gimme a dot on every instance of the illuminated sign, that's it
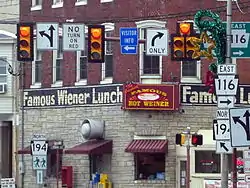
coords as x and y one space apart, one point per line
151 97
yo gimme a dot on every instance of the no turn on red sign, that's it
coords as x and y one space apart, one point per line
73 37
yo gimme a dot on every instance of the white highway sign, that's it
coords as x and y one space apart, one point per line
225 101
240 126
222 114
157 42
226 85
39 147
223 146
39 177
47 36
39 162
222 130
73 37
226 69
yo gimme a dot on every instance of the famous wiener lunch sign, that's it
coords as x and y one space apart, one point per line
151 97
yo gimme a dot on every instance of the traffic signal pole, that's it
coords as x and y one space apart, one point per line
224 157
188 159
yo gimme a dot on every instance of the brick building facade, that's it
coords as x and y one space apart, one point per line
55 76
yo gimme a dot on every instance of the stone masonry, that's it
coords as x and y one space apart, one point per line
63 123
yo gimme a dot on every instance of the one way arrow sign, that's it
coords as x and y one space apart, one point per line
47 36
223 146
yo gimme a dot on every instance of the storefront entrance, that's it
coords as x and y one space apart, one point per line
181 173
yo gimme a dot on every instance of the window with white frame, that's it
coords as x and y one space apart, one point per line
58 63
57 1
3 70
107 66
38 67
190 70
150 66
36 3
81 64
80 2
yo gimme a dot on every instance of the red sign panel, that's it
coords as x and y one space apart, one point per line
151 97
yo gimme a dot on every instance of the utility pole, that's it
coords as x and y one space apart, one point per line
224 157
188 158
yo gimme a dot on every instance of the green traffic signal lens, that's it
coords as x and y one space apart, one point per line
190 53
95 55
178 53
24 53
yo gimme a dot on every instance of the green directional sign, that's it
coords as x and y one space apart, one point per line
240 39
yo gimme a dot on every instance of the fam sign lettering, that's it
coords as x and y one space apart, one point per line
151 97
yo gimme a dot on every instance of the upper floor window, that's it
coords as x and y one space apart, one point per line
36 2
81 65
107 66
57 3
80 2
3 70
58 64
191 70
150 66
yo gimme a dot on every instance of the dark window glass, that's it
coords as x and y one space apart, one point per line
209 162
189 68
150 166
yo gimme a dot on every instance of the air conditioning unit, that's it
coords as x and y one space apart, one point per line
3 88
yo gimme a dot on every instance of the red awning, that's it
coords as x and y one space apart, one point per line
147 146
27 149
92 147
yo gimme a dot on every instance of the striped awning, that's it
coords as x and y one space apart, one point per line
147 146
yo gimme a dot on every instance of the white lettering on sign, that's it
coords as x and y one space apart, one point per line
226 69
73 37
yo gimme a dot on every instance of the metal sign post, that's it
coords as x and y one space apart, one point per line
39 149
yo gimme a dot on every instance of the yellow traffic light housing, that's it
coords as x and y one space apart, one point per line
178 48
25 43
180 139
96 47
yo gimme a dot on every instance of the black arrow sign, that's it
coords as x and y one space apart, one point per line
244 125
226 102
222 145
50 37
158 35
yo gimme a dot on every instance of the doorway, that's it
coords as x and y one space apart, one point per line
181 172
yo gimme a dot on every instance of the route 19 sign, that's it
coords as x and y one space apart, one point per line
157 42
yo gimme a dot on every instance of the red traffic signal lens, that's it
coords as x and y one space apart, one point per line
24 31
96 33
185 28
178 43
194 140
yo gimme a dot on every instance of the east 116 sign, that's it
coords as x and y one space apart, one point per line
128 40
240 39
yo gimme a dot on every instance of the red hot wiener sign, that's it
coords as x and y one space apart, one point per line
151 97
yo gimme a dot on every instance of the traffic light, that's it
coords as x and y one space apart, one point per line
178 51
180 139
197 139
182 43
96 47
25 43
